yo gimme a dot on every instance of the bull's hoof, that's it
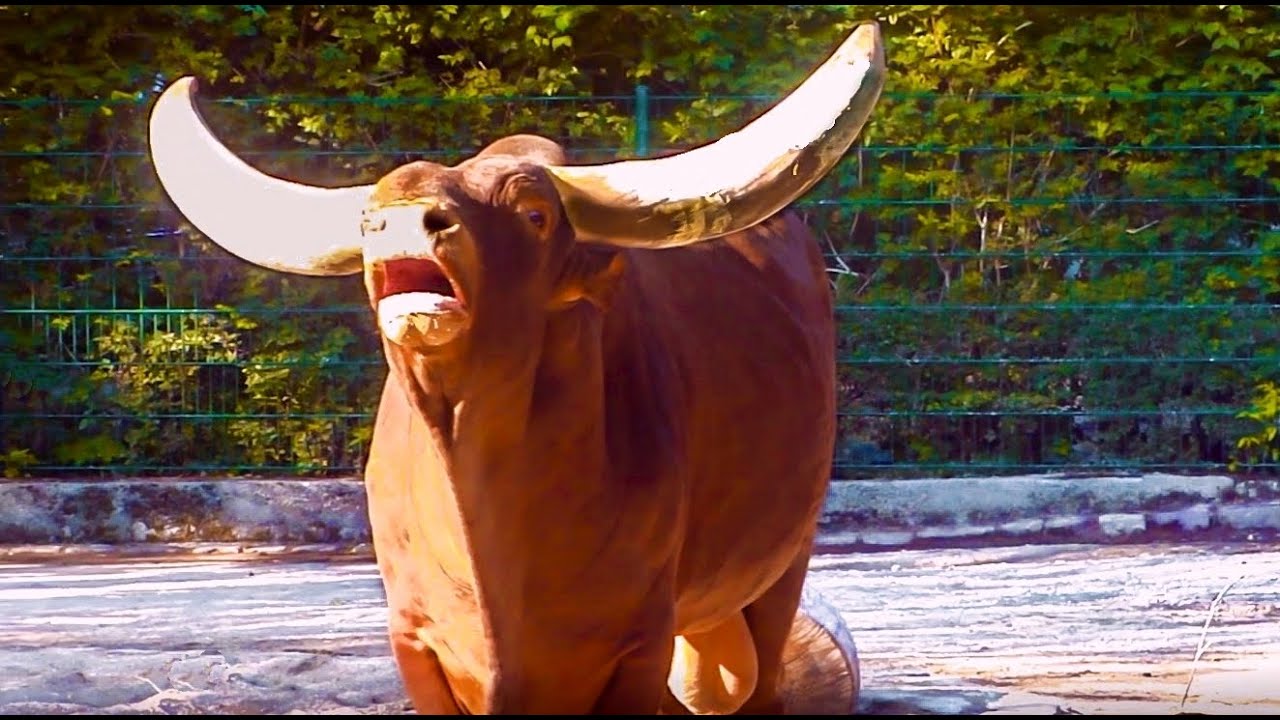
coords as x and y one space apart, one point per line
821 675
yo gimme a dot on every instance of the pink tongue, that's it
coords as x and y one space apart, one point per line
417 302
420 319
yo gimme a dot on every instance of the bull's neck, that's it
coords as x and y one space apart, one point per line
511 466
497 419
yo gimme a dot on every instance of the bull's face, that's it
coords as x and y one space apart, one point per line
474 253
470 253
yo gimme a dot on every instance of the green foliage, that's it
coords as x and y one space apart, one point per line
1057 244
16 462
1263 445
1064 236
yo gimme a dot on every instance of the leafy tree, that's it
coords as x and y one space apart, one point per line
1056 245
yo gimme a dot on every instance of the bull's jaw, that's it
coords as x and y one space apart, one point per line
421 321
419 305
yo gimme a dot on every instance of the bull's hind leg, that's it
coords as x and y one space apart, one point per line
806 657
770 619
820 662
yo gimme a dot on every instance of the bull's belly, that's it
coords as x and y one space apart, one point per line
752 516
721 576
702 606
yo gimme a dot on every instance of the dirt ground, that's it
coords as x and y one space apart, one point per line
1065 629
1028 630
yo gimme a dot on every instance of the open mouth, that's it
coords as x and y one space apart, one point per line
418 304
404 275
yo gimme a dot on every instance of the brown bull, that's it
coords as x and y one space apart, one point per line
606 432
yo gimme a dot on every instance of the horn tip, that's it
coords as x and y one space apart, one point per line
866 41
184 87
187 85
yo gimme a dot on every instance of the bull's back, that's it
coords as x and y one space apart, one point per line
748 321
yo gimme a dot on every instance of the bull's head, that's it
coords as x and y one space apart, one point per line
423 233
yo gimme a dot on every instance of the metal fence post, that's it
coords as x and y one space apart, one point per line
642 120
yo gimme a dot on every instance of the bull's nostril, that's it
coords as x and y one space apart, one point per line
434 221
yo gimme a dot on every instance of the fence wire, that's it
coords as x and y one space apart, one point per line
1024 283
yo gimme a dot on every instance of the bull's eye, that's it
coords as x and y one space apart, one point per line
434 221
537 218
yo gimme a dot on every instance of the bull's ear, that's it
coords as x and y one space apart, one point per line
590 273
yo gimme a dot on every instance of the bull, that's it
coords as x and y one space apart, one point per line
607 425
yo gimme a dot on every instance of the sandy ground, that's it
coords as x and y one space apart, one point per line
1047 629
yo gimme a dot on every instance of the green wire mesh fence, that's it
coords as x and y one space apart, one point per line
1024 283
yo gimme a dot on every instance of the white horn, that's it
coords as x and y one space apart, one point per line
741 179
274 223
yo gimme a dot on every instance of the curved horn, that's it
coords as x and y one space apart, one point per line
270 222
741 179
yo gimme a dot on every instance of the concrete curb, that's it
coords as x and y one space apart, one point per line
859 514
963 512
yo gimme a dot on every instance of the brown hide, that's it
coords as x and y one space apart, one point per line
569 485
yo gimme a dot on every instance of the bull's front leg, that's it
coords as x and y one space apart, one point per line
638 685
420 669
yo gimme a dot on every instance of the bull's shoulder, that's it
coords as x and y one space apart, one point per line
773 272
785 227
784 239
